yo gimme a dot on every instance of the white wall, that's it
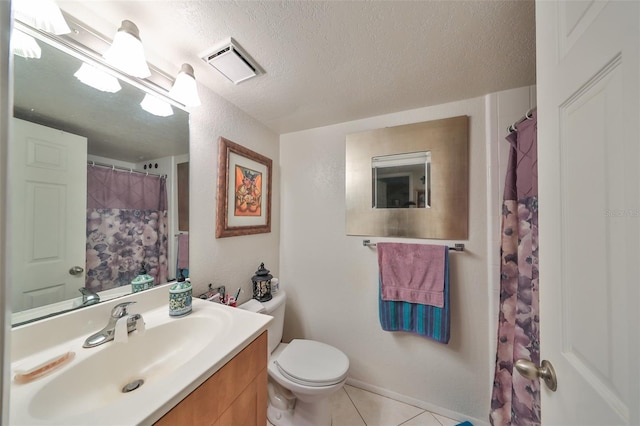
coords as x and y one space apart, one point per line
331 279
226 261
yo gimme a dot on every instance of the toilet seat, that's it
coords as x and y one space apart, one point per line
312 363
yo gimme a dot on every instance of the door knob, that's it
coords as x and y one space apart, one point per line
546 372
76 270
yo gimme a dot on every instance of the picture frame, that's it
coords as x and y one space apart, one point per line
243 191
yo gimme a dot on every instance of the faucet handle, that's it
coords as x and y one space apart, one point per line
120 310
88 297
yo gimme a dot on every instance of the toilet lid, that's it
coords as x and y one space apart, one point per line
312 363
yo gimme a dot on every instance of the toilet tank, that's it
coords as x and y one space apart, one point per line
275 308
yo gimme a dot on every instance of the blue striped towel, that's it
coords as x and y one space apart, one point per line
425 320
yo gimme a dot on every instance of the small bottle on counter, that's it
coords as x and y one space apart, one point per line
180 295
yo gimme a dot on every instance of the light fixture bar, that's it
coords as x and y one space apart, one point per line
77 50
398 160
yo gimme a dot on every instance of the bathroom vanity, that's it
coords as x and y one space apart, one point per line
208 367
234 395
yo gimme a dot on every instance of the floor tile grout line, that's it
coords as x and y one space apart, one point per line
417 415
387 397
355 406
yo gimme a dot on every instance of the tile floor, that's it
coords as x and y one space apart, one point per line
356 407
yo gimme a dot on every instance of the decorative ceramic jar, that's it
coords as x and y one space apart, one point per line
262 284
180 295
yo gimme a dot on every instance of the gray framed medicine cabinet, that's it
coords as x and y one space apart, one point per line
409 181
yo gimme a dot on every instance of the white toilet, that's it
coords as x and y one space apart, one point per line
302 374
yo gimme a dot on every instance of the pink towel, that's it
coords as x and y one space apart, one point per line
183 251
412 272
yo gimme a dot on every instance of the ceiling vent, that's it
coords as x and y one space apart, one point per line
233 62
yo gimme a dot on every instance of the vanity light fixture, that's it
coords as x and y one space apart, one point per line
126 52
24 45
185 89
98 79
156 106
41 14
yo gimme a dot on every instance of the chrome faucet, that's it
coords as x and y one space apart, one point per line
88 297
107 334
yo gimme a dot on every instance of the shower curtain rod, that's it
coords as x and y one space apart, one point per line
527 116
125 169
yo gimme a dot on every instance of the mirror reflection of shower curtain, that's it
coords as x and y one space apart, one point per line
127 224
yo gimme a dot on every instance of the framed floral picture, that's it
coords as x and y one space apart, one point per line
244 191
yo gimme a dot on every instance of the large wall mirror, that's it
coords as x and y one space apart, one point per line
95 182
409 181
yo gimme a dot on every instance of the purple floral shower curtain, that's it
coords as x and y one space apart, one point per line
515 399
126 225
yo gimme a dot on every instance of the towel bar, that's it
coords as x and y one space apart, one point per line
456 247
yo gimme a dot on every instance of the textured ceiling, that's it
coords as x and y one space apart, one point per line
329 62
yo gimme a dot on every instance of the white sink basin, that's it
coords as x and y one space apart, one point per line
97 380
172 357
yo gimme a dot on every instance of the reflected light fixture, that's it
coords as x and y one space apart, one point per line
98 79
156 106
185 89
41 14
126 52
24 45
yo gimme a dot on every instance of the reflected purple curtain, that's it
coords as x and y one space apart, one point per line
126 225
515 399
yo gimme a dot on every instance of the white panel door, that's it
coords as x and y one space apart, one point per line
589 186
48 214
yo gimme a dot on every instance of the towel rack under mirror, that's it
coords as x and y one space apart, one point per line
456 247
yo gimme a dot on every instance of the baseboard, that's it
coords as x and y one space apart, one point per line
416 403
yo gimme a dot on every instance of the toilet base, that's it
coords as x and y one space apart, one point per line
317 413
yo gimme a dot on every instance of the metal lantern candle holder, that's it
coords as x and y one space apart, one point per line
262 284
